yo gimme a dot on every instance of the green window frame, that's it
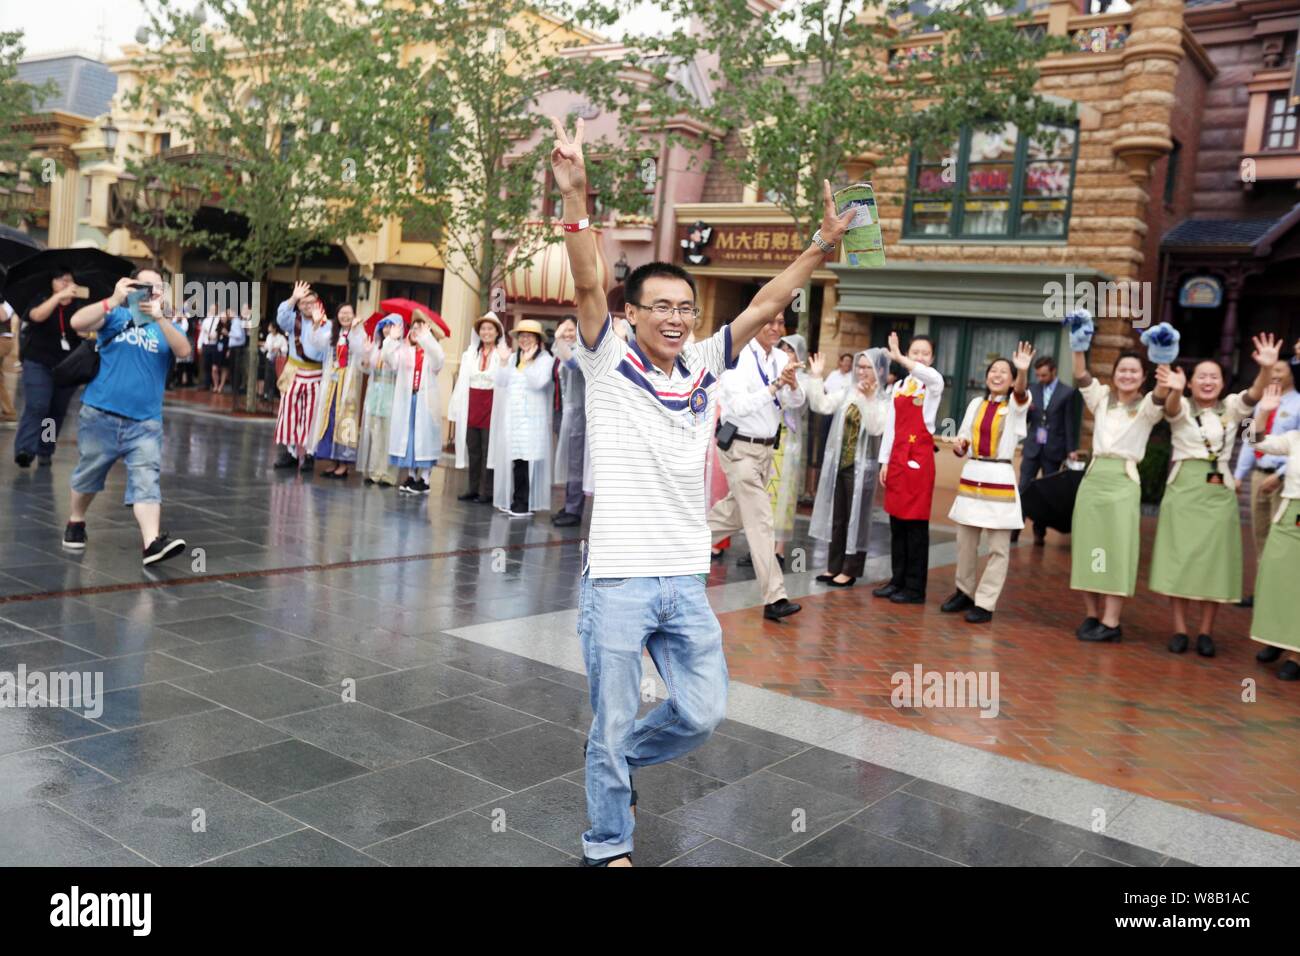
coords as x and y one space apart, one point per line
1018 203
953 364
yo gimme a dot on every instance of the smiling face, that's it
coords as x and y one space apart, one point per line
999 376
567 331
846 363
347 316
771 333
527 340
1207 383
662 338
866 372
921 351
487 332
1129 374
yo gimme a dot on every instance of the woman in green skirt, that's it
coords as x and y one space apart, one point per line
1107 512
1274 621
1197 557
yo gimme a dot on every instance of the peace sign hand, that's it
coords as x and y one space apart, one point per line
566 159
834 225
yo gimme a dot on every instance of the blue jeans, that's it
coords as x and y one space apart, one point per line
103 438
42 402
670 617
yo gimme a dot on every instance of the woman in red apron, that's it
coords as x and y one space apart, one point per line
907 469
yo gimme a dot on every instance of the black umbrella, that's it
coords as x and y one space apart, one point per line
15 246
1049 501
28 282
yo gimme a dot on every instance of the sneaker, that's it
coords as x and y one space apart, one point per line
74 536
407 487
420 487
23 460
519 514
163 548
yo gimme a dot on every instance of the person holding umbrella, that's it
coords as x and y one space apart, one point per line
1197 554
302 318
415 429
47 338
121 412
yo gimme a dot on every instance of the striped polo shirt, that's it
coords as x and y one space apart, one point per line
648 438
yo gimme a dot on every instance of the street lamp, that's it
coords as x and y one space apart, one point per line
621 268
127 184
155 196
109 132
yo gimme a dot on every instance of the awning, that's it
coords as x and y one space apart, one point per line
546 279
993 291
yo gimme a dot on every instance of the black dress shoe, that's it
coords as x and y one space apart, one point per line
1089 624
885 590
779 609
1268 654
960 601
566 519
977 615
1205 645
285 460
23 459
368 480
1247 601
825 578
843 584
308 464
1103 634
467 496
1289 671
480 500
906 597
1178 643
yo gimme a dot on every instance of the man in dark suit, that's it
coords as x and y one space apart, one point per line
1052 429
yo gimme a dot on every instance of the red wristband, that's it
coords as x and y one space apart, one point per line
106 307
578 226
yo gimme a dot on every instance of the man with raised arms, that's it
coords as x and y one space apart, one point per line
649 422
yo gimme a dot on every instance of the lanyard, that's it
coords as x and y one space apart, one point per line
762 373
341 358
1223 440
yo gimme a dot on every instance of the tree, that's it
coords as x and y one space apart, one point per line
816 86
470 114
284 105
18 101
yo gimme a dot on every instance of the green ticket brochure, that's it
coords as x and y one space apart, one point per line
863 243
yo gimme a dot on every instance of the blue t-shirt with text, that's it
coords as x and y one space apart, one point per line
133 364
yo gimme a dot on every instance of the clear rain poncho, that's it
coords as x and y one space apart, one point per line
865 465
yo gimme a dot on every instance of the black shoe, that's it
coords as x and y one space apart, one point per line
1103 634
1247 601
162 548
885 590
285 460
308 464
779 609
824 578
1289 671
1178 644
1268 654
960 601
746 562
1089 625
1205 645
368 480
566 519
74 536
843 584
23 460
421 487
906 597
480 500
467 496
407 487
977 615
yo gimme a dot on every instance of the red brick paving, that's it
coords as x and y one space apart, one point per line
1130 715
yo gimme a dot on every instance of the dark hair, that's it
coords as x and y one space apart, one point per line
1045 361
1215 362
924 338
637 277
1010 365
845 355
1131 354
519 350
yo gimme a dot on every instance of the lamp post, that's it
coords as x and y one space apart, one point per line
154 200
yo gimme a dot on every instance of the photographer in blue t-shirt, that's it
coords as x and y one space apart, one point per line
121 409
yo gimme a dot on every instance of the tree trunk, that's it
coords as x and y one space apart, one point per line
253 351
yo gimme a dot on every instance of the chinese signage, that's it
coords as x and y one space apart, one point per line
1201 292
771 244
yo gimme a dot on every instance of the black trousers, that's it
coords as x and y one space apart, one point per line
1029 469
519 493
480 476
837 562
909 551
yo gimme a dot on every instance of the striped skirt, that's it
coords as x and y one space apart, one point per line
298 410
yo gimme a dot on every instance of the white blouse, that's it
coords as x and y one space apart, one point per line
1120 431
1197 432
1288 443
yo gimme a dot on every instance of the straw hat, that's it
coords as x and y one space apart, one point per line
530 325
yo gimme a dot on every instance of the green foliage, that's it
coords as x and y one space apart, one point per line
18 101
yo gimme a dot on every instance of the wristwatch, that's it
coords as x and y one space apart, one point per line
822 244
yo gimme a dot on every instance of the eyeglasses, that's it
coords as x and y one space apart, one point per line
662 310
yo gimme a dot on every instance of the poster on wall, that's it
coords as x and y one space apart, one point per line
1201 292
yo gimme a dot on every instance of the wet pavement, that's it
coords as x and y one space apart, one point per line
339 674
